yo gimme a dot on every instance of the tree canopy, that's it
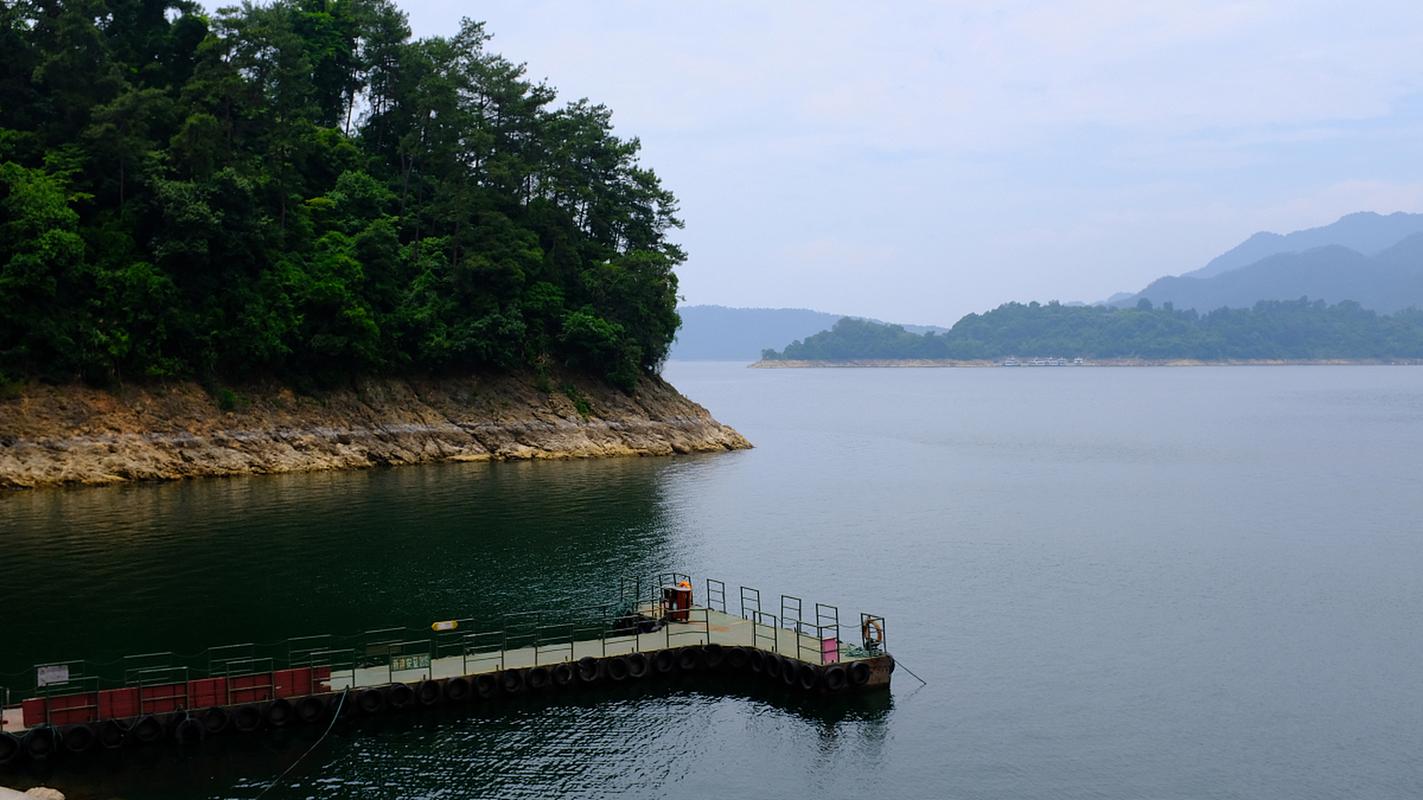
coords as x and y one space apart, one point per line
1298 329
300 188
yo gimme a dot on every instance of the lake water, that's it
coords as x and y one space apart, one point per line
1118 583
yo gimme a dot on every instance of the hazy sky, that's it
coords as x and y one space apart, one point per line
917 161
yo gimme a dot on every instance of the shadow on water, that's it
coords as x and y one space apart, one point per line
522 744
184 566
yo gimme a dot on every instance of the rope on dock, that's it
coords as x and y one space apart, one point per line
335 715
900 664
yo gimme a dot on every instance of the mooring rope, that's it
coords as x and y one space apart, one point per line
900 664
335 715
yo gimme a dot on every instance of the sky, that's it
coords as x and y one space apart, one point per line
917 161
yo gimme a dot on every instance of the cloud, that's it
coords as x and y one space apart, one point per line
1327 203
999 150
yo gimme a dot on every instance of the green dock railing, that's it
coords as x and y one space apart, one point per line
553 635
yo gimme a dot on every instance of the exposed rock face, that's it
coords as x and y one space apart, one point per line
72 434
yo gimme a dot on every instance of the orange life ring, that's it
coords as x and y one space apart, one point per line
875 625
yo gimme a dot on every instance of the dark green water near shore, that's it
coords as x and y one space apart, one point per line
1169 583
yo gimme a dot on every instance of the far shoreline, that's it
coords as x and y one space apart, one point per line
927 363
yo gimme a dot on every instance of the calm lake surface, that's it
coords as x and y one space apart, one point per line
1118 583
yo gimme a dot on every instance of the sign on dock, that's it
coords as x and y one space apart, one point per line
414 661
51 674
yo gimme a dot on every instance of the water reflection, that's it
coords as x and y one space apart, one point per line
625 740
185 566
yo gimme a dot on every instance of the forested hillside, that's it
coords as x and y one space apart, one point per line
300 189
723 333
1297 329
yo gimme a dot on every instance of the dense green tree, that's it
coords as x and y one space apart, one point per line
1298 329
300 188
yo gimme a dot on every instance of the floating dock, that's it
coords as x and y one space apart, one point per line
658 628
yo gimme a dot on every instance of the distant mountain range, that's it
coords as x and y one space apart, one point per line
722 333
1375 260
1372 259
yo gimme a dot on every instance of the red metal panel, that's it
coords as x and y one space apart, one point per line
292 682
207 692
251 688
200 693
65 709
163 698
118 703
33 710
72 708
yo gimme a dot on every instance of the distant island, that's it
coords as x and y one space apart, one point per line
722 333
1270 331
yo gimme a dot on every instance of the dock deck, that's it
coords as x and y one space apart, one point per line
250 686
704 626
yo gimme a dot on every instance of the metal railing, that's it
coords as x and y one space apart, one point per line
546 636
716 595
750 602
791 612
759 626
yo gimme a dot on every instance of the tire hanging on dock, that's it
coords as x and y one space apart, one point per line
538 679
511 681
690 658
310 709
215 720
809 676
773 666
757 660
147 730
664 662
714 656
9 748
589 669
638 665
486 686
111 733
618 669
399 696
371 701
279 713
859 673
79 738
790 671
562 674
457 690
836 679
738 659
189 730
39 743
428 693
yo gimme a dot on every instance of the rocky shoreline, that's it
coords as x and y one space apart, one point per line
57 435
1108 362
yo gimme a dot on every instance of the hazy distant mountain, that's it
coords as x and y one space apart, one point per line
720 333
1332 262
1364 232
1386 281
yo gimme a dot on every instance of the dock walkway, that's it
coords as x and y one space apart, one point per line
704 626
247 687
